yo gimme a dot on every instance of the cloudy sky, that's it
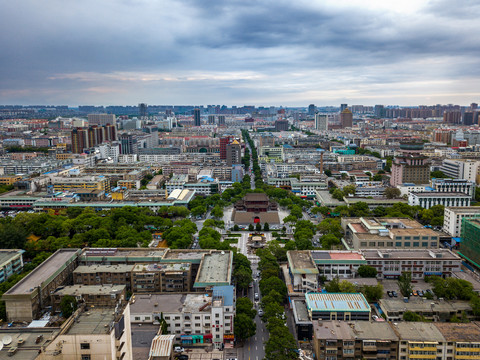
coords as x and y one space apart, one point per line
262 52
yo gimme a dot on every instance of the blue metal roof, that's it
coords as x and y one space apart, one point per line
226 291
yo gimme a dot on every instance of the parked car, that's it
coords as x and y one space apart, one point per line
179 349
415 293
389 293
420 293
394 293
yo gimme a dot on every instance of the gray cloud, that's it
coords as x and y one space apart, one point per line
235 52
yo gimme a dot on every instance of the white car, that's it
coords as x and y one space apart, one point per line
179 349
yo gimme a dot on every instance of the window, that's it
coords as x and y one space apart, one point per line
416 244
398 244
433 244
197 317
217 315
137 318
424 244
85 346
86 357
406 244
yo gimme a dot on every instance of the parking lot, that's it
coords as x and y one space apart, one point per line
391 285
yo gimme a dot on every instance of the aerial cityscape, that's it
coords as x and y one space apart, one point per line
239 180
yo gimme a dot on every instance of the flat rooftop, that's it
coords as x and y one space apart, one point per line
371 254
320 256
464 209
301 262
300 311
418 331
88 269
332 330
94 321
175 267
373 330
336 302
148 304
440 194
215 269
7 255
29 349
184 254
44 271
123 252
424 306
459 331
75 290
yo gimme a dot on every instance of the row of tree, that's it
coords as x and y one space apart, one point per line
281 344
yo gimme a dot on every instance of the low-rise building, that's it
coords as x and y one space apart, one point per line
338 263
90 295
391 263
303 271
194 319
428 199
27 298
341 306
93 333
439 310
11 262
161 278
453 216
354 340
387 233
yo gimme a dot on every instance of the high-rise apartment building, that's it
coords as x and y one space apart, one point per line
346 118
281 125
410 167
234 153
468 118
128 144
221 120
343 107
452 117
79 140
196 117
321 122
379 110
142 110
224 141
311 109
211 119
102 119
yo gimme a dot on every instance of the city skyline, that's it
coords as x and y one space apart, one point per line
126 52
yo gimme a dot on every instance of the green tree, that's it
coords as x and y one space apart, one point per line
258 227
338 194
367 271
272 310
347 287
250 227
392 193
199 210
11 236
217 212
411 316
245 306
333 286
405 284
328 241
244 327
273 283
68 305
373 293
349 190
243 277
438 174
266 227
281 344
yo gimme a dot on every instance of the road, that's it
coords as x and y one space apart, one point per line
254 347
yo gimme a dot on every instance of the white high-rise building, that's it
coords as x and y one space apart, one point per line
321 122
